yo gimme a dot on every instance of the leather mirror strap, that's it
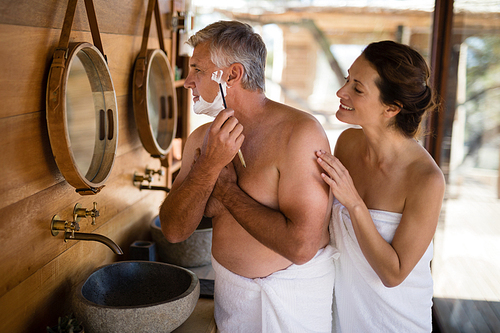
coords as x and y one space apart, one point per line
94 28
68 22
66 30
152 5
147 25
159 27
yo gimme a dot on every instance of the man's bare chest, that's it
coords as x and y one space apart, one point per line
260 178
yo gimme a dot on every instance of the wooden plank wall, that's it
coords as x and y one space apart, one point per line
39 271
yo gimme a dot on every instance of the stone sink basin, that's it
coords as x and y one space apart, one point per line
136 296
193 252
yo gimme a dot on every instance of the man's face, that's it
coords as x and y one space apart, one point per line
199 78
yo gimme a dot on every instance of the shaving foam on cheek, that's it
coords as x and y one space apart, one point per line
212 109
217 76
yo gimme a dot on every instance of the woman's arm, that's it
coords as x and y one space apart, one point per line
392 262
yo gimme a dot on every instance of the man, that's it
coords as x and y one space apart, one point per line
270 253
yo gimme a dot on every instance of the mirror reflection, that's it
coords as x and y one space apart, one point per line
80 112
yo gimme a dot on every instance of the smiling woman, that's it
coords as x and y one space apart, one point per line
387 193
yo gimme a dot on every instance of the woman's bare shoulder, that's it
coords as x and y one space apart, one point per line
424 172
348 142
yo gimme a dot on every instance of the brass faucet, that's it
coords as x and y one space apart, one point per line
69 228
148 176
94 237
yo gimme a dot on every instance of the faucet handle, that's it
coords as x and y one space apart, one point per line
148 176
94 213
79 212
152 172
72 226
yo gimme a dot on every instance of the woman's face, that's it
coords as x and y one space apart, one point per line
360 97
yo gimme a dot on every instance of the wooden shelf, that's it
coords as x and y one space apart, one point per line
173 161
201 320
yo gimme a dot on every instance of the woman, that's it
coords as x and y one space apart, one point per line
387 194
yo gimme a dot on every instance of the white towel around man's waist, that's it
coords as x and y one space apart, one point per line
362 303
296 299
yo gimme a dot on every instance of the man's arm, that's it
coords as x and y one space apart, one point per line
184 206
297 230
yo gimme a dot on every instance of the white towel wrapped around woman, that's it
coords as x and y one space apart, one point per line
296 299
361 302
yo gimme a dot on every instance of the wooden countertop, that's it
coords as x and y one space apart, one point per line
201 320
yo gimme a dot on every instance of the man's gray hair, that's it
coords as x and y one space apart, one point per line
235 42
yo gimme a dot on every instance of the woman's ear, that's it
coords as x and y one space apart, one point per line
236 72
393 110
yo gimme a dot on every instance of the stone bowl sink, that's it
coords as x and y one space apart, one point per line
193 252
136 296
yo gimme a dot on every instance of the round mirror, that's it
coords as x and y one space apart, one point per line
155 102
82 117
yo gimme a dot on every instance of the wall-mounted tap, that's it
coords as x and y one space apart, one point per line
69 228
148 176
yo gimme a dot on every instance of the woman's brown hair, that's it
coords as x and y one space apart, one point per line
404 82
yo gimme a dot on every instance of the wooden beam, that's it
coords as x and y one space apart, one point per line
440 56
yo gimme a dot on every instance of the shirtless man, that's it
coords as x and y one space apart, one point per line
274 267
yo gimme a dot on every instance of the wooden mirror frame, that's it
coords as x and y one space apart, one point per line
142 72
168 112
106 136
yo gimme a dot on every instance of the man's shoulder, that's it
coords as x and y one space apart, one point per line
195 139
298 120
199 132
293 112
304 131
